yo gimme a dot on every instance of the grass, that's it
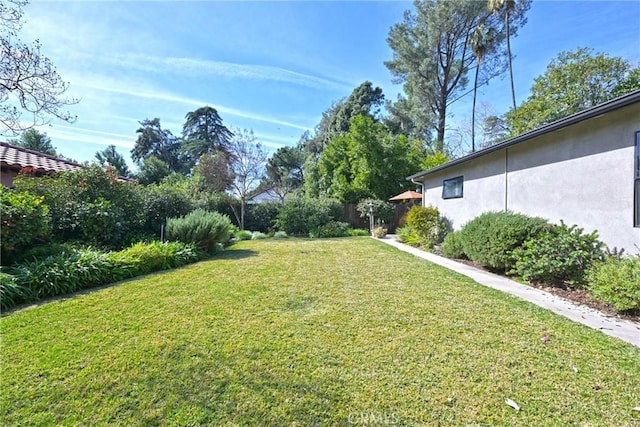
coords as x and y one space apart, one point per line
309 332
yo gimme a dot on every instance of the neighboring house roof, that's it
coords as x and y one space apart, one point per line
14 157
598 110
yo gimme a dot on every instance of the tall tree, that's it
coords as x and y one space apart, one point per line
246 162
509 8
28 80
480 39
110 157
285 171
432 54
152 171
160 143
368 162
363 100
37 141
572 82
204 133
214 172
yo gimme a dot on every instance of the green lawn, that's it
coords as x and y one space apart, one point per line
309 332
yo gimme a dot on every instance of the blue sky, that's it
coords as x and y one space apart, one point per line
273 67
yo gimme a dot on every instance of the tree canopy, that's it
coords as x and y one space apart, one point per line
32 139
204 133
110 157
572 82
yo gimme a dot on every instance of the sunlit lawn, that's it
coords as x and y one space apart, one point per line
309 332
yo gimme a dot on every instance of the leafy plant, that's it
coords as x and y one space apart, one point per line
24 222
559 254
359 232
426 227
280 235
162 201
331 229
258 235
380 232
262 216
243 235
616 281
490 238
12 293
143 258
207 230
452 246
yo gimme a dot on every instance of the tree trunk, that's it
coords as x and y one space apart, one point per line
513 90
442 116
242 206
473 110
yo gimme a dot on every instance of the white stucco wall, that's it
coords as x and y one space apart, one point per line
582 174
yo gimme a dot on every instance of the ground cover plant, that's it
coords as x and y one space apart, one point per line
312 332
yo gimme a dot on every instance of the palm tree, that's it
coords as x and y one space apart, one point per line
509 6
479 44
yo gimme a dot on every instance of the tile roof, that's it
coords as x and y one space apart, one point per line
15 157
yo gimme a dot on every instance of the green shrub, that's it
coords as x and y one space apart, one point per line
426 227
299 216
490 238
25 221
616 281
559 254
358 232
257 235
11 293
262 216
243 235
280 235
143 258
452 246
89 205
331 229
162 201
208 230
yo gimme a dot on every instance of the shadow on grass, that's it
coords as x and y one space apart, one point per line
234 254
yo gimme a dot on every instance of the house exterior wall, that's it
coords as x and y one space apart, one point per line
582 174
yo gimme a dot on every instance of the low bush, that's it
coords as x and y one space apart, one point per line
452 246
299 216
25 221
331 229
491 238
243 235
258 235
280 235
162 201
208 230
358 232
558 255
616 281
143 258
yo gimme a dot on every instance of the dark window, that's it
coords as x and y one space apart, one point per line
452 188
636 216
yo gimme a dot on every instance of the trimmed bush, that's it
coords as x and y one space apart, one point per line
616 281
425 227
280 235
208 230
243 235
300 216
25 221
358 232
331 229
559 254
491 238
452 246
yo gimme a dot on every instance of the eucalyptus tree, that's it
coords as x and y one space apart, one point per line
432 54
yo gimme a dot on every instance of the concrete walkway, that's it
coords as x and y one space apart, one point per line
624 329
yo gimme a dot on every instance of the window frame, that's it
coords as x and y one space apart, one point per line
445 196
